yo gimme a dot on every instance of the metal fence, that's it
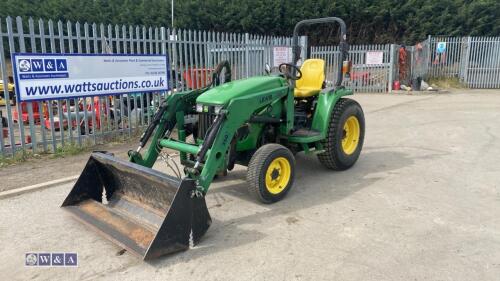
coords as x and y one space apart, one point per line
419 57
475 61
365 77
482 63
46 125
449 62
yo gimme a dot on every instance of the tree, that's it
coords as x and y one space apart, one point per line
368 21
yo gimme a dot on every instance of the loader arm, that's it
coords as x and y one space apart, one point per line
170 114
176 105
238 112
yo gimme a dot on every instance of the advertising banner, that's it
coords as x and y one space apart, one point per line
61 76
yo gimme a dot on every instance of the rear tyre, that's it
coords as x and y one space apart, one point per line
345 136
271 173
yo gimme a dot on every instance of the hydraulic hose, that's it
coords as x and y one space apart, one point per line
209 140
152 126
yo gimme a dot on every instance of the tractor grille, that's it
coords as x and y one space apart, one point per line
205 120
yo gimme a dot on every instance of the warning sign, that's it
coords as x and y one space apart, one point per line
281 55
441 47
374 57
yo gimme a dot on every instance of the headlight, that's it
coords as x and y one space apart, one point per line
217 109
201 108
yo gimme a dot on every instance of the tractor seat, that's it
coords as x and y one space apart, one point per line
313 76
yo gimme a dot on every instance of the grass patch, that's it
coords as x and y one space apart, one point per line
24 156
62 151
446 83
19 157
69 150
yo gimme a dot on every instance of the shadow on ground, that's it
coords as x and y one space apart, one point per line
314 185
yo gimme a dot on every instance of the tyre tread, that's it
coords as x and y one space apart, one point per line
330 158
255 169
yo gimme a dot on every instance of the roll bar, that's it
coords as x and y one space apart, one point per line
344 47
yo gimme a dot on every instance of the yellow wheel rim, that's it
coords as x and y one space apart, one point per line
351 134
278 175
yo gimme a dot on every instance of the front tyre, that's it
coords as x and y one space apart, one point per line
271 173
345 136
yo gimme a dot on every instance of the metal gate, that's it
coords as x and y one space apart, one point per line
365 76
475 61
447 63
482 64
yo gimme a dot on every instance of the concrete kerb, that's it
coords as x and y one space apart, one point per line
36 187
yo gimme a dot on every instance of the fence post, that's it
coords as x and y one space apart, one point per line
247 55
303 46
12 49
467 59
31 120
429 57
391 66
4 78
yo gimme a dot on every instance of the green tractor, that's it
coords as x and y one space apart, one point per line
259 122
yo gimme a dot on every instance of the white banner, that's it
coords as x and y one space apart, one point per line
61 76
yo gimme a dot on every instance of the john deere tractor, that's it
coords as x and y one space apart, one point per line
259 122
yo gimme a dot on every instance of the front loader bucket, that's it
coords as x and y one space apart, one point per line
147 212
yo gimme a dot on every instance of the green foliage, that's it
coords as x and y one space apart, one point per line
369 21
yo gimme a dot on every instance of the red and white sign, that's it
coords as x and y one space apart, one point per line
281 55
374 57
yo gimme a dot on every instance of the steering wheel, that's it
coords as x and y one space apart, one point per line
287 71
216 75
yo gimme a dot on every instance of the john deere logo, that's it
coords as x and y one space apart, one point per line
266 98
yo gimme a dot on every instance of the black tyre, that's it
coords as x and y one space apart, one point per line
271 173
345 136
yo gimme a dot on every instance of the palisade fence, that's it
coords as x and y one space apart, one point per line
364 77
46 125
475 61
